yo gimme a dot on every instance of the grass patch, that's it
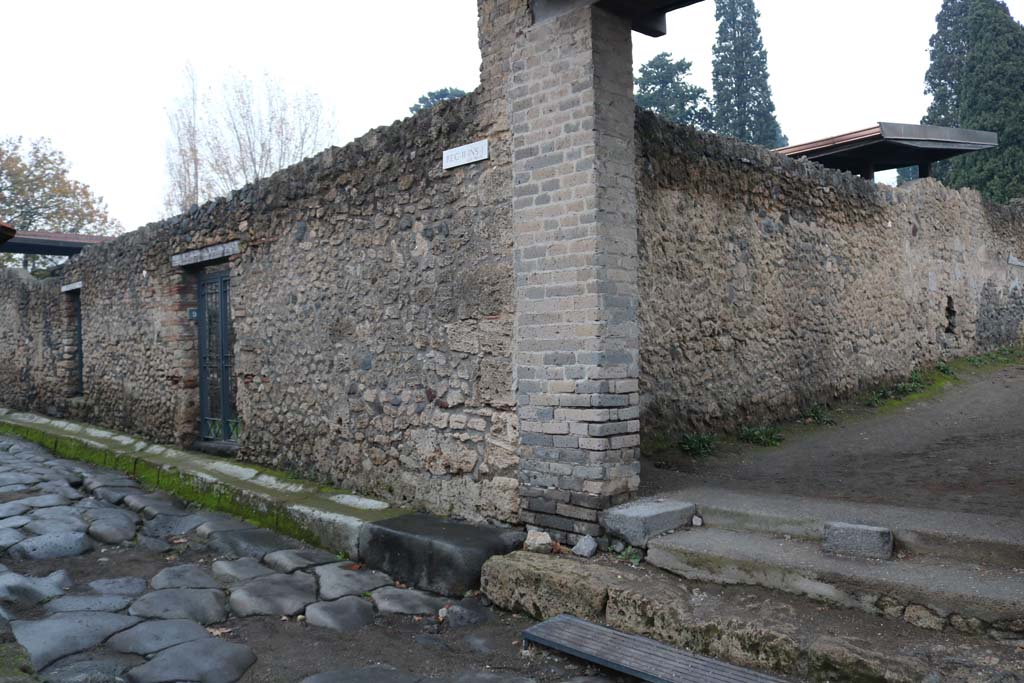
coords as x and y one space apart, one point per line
697 445
632 555
819 414
764 435
915 384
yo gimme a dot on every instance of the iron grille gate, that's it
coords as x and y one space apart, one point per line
216 360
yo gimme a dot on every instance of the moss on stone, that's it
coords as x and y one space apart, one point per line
15 666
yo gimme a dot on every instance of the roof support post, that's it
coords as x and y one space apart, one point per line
924 169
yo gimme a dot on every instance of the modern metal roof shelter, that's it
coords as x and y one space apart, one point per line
6 232
648 16
892 145
48 243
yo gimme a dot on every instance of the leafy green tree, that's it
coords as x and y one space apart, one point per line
436 97
663 89
743 99
36 193
991 97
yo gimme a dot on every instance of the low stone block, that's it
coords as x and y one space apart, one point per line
641 520
858 540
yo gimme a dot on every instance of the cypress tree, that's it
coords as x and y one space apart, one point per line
991 97
743 99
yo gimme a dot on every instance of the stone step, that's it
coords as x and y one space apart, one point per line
985 539
928 592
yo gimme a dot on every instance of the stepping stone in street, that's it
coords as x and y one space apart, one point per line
131 586
100 667
279 594
337 580
9 537
205 605
289 560
159 634
209 660
250 542
242 569
41 527
88 603
391 600
47 500
47 640
380 673
345 614
52 546
113 531
30 590
184 576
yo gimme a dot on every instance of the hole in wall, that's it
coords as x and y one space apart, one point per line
950 316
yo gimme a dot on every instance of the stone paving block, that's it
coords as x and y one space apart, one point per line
47 640
242 569
89 603
30 590
380 673
339 580
219 521
14 522
183 576
278 594
641 520
44 501
209 660
132 586
289 560
158 634
112 531
13 508
205 605
858 540
345 614
41 527
52 546
392 600
91 668
9 537
250 542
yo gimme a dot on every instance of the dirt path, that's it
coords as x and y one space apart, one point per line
961 450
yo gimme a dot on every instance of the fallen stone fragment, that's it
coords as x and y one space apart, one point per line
467 612
277 594
243 569
156 545
52 546
209 660
346 614
159 634
379 673
184 576
289 560
538 542
337 580
205 605
47 640
391 600
132 586
641 520
585 547
89 603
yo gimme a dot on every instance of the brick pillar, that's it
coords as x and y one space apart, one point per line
574 213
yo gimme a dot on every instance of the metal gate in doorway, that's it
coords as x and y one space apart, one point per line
218 419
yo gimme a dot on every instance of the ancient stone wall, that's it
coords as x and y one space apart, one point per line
372 305
769 285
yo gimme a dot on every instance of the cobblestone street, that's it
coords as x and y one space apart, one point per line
103 581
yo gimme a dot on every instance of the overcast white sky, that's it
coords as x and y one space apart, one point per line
98 77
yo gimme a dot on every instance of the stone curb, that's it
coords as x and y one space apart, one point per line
300 509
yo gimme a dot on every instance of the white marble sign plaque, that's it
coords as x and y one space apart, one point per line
467 154
212 253
1014 261
72 287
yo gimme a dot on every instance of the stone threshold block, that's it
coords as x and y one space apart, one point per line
858 540
641 520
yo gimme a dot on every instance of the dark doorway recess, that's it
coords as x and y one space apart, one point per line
218 418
